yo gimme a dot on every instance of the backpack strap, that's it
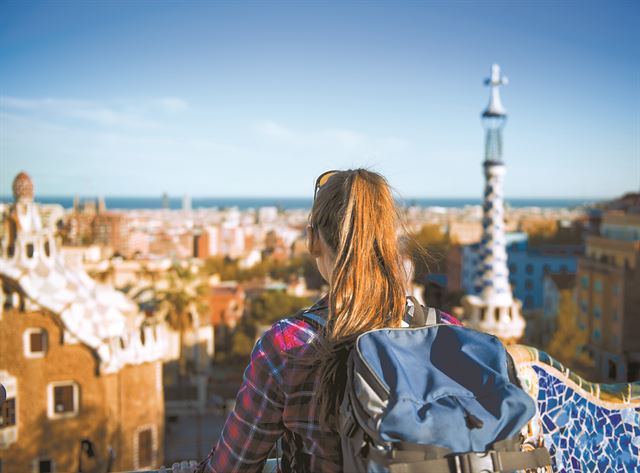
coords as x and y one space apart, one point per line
472 462
423 316
313 317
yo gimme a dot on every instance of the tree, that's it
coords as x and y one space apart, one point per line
567 342
179 300
264 310
271 306
428 249
229 270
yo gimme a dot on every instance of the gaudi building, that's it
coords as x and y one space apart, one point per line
81 367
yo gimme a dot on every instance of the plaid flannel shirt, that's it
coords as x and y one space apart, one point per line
276 399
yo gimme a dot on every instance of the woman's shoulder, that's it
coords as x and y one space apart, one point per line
293 332
449 319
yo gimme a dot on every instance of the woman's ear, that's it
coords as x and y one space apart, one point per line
313 242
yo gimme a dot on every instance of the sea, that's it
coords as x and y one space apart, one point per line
290 203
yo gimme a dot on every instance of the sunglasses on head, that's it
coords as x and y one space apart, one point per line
322 180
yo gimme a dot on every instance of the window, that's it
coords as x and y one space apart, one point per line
528 284
30 250
597 313
584 281
513 268
528 302
64 400
8 413
35 342
597 285
529 269
613 371
596 335
45 466
145 447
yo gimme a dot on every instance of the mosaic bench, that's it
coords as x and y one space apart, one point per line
587 427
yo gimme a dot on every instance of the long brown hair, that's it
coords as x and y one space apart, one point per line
355 213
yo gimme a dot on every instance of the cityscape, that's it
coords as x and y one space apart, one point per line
128 315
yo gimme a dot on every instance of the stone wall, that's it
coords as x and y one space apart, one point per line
112 408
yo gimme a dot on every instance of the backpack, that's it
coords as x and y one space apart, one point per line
433 398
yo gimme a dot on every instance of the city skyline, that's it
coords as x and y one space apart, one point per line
222 100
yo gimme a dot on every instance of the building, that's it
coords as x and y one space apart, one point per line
186 203
226 305
527 267
492 308
111 229
82 372
609 295
555 287
201 244
89 223
464 233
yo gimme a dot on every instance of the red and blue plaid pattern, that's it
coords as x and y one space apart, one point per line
276 398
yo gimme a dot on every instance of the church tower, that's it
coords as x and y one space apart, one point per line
492 308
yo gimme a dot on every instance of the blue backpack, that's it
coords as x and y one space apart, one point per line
433 398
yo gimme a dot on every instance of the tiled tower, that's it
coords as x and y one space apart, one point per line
493 309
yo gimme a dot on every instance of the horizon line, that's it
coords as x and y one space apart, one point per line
180 196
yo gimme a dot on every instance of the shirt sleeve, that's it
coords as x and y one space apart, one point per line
255 424
449 319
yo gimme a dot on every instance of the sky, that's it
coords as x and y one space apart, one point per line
221 98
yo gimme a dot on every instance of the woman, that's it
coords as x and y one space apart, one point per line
291 386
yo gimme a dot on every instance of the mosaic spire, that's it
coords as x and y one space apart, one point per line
493 275
493 308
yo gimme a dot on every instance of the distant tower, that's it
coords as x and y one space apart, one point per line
102 206
186 202
165 201
493 309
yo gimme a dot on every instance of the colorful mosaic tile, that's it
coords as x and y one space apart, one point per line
587 427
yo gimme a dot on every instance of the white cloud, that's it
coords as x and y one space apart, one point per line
344 139
172 104
108 115
277 132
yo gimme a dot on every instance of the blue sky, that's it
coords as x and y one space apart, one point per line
256 99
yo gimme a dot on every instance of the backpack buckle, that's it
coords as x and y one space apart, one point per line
474 462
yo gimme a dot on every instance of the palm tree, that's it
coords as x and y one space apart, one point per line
181 301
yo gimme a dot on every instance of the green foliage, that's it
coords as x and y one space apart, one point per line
567 342
264 310
271 306
229 270
428 250
556 235
243 343
226 268
184 293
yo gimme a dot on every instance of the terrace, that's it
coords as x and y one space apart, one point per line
586 426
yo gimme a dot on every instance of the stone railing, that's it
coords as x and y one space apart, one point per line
271 466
